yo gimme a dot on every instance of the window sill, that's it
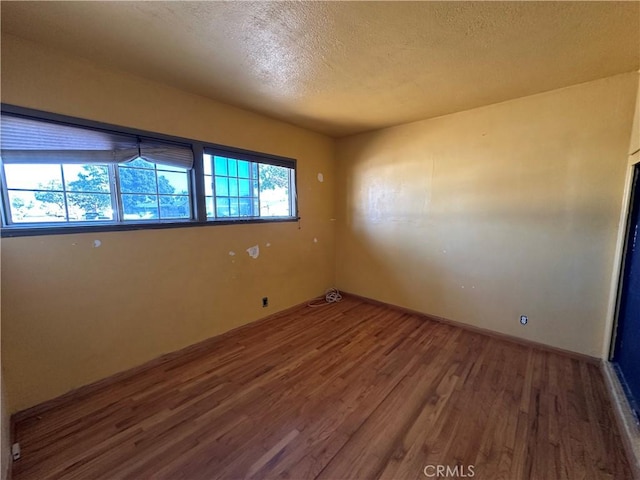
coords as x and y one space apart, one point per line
31 231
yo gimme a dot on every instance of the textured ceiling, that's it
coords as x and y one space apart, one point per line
345 67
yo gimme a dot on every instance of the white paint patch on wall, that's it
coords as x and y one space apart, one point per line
254 251
315 240
320 177
232 253
96 243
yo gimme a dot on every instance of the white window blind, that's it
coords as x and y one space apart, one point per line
166 153
28 140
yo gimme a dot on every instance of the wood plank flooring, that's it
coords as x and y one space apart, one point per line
350 390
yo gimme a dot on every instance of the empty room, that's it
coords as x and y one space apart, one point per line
320 240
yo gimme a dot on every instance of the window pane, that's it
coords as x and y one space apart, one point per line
222 207
139 207
244 188
33 177
243 169
220 165
274 191
254 170
36 207
89 206
86 178
134 180
209 203
274 203
233 167
140 163
222 186
233 187
175 206
208 186
245 205
173 182
233 207
272 177
206 164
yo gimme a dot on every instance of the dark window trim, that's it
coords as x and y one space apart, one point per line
239 154
197 197
121 227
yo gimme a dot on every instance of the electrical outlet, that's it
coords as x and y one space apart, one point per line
524 319
15 451
265 302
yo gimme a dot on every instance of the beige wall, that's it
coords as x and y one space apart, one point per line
73 313
487 214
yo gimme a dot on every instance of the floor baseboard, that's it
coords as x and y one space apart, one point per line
484 331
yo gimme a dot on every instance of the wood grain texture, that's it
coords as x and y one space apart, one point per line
350 390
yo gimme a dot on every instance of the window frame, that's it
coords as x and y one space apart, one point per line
196 183
253 157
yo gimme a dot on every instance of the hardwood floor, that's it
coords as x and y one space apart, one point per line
351 390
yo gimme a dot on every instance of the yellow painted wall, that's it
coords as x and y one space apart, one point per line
73 313
5 432
634 145
487 214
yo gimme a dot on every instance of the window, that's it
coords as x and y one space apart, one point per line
153 191
242 188
58 193
55 173
40 193
63 174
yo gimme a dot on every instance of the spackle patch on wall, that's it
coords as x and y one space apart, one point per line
254 251
232 253
96 243
315 240
268 244
320 177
